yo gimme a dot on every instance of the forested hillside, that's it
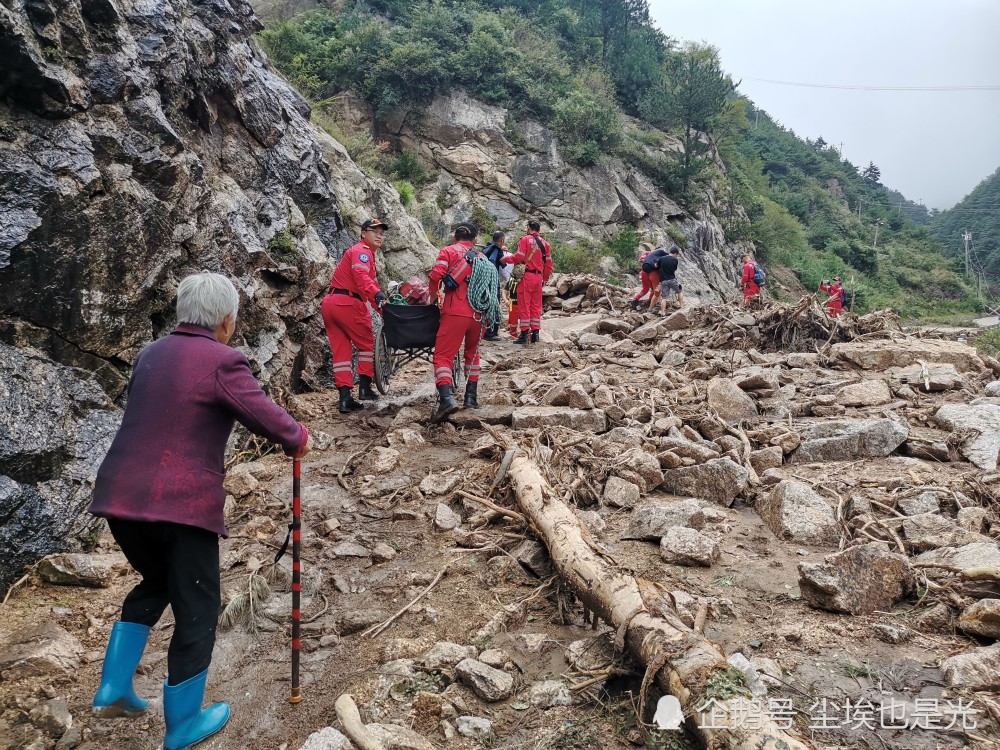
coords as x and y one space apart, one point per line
978 214
609 84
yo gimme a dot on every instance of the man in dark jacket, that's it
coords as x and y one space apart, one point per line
160 488
495 251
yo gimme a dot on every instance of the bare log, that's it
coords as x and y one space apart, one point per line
354 728
681 659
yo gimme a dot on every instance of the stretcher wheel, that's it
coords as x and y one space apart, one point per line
383 363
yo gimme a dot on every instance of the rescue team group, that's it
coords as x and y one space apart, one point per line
160 486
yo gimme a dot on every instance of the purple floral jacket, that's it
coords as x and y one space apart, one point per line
166 462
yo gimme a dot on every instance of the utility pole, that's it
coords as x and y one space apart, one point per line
967 236
877 225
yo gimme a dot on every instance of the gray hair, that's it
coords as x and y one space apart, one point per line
205 299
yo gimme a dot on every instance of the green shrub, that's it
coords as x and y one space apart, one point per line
484 220
677 235
406 192
579 258
282 243
409 167
623 247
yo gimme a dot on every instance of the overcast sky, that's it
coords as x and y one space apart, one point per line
932 146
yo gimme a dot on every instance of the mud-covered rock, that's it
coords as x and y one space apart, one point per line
858 580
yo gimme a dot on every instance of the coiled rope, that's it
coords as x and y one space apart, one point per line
484 290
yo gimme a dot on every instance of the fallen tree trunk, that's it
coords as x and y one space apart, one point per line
681 659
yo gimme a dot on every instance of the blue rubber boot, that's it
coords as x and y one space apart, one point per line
186 722
116 696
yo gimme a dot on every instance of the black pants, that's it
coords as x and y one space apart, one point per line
179 566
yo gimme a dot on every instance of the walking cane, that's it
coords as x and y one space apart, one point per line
296 695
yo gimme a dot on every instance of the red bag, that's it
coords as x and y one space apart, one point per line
415 291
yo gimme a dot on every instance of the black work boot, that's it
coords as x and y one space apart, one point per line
365 392
446 404
471 391
347 402
522 339
634 304
534 337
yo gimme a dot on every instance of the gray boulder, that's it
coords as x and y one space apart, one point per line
795 512
846 440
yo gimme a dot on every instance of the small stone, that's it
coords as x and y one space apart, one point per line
494 657
445 519
474 726
327 738
491 685
444 655
384 460
383 552
549 694
982 618
925 502
684 546
620 493
892 633
436 484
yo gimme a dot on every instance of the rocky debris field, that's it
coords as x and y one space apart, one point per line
815 500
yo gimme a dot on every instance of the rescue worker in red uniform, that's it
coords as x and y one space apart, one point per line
835 302
650 279
536 255
459 322
347 319
750 289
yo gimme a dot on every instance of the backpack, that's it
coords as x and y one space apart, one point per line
759 277
843 296
651 265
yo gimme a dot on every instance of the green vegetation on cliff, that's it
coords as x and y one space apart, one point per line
584 68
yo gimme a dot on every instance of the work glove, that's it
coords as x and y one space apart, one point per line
379 299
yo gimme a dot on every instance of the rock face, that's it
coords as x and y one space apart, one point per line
55 427
478 165
141 142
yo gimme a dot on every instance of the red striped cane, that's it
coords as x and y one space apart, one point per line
296 695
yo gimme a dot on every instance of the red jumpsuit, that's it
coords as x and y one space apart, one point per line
750 289
650 280
835 303
346 315
537 269
458 320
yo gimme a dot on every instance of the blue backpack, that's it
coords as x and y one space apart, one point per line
759 277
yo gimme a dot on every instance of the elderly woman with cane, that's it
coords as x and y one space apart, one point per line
160 489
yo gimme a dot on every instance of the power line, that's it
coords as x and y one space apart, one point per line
850 87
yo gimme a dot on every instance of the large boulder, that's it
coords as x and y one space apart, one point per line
858 580
882 354
730 401
721 480
795 512
846 440
981 422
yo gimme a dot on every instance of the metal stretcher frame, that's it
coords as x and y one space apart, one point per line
406 333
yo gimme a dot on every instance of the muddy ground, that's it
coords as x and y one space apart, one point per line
372 542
